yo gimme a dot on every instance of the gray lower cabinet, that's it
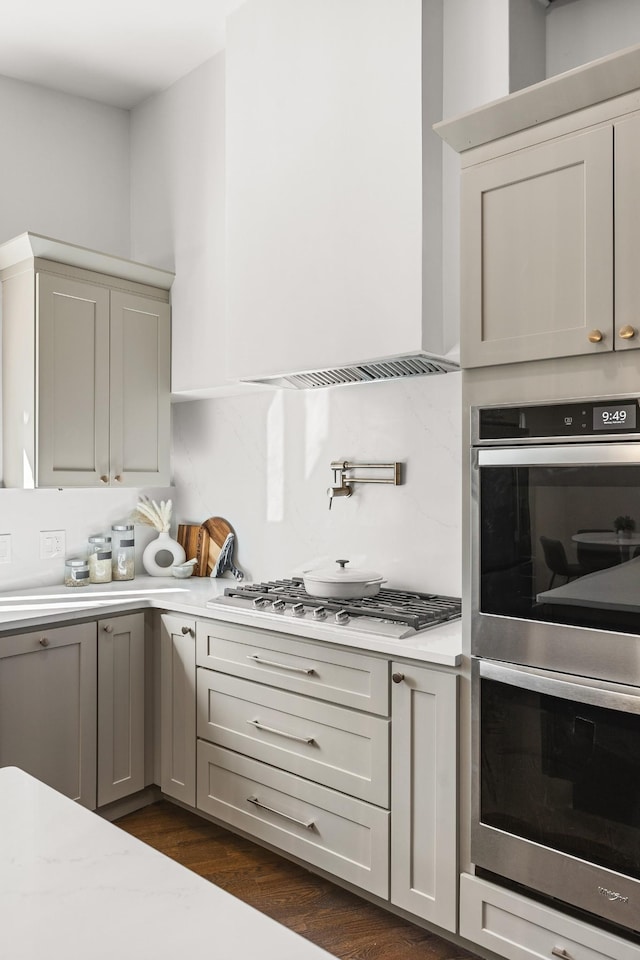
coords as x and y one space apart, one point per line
335 832
279 761
517 928
178 708
48 707
424 862
121 709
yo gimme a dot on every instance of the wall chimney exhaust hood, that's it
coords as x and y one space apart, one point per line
334 192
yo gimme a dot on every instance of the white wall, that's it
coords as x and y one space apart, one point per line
475 66
178 214
64 168
80 513
582 30
263 463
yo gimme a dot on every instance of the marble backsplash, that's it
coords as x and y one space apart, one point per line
262 461
79 513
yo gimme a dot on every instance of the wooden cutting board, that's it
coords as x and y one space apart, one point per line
195 540
205 541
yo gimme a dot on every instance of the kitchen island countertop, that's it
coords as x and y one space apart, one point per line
73 886
32 608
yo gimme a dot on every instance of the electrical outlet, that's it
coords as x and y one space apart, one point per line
52 544
5 548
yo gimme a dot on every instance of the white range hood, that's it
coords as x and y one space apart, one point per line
334 192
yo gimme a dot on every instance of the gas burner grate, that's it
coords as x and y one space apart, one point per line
417 610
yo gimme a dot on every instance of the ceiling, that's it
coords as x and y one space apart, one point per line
119 52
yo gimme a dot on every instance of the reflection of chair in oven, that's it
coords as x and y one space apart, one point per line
595 556
556 560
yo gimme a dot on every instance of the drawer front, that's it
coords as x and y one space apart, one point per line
315 669
343 836
520 929
331 745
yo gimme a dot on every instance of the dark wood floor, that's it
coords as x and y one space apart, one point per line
338 921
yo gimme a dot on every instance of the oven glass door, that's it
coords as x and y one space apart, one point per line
546 521
559 764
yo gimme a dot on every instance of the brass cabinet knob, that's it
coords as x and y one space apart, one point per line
627 332
104 479
118 478
397 677
595 336
44 642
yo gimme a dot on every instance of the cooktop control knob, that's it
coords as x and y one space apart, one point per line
342 616
298 610
278 605
319 613
260 602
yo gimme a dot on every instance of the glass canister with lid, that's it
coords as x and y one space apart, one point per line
123 551
76 572
100 559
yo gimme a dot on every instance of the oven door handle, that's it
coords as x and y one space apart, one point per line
598 693
554 455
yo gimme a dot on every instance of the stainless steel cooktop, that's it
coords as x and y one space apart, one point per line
390 613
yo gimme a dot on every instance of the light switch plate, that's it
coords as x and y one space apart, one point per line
52 544
5 548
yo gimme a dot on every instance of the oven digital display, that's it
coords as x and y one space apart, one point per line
619 416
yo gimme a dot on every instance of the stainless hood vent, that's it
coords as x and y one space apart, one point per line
393 368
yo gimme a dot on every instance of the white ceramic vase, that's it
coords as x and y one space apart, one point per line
163 548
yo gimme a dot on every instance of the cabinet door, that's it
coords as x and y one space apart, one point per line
48 708
627 221
537 252
140 390
73 383
120 707
424 868
178 709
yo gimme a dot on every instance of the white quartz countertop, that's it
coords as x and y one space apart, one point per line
74 887
35 607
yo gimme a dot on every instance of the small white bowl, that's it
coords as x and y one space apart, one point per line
182 570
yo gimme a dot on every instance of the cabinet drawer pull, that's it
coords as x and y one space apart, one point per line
307 824
562 953
187 631
595 336
108 628
397 677
104 478
281 733
44 642
308 671
627 332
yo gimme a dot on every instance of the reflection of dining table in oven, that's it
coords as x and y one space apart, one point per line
595 546
617 588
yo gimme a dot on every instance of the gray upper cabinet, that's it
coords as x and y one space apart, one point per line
86 370
537 252
550 218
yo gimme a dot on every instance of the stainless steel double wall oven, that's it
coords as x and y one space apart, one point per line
555 596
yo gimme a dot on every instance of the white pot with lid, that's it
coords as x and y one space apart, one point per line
340 583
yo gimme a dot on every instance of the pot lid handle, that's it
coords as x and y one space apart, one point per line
342 563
